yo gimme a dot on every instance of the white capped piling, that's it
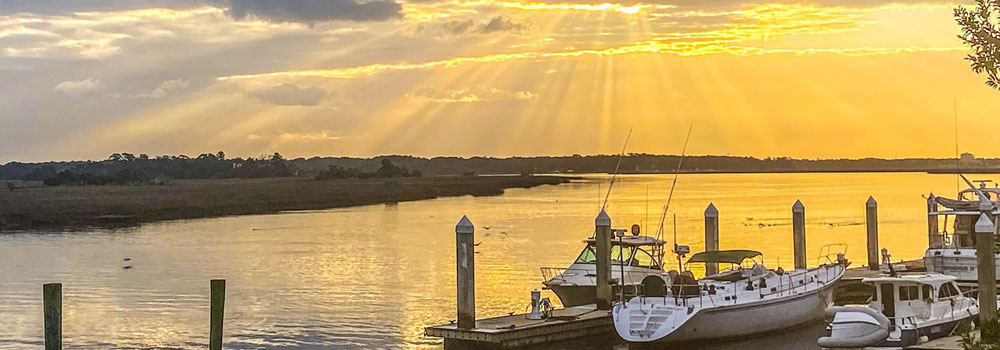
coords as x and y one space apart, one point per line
217 314
799 234
52 310
933 239
986 262
711 236
602 237
871 223
465 253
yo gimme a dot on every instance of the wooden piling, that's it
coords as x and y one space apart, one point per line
52 309
218 311
986 265
933 239
602 237
871 223
799 234
711 236
466 273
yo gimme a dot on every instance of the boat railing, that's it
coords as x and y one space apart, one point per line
828 253
553 274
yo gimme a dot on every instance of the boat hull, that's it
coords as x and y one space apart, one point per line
575 295
767 316
960 263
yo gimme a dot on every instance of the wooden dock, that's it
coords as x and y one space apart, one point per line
517 330
953 342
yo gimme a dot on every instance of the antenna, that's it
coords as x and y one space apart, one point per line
957 165
615 175
659 231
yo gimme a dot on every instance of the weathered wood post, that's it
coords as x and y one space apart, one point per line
602 238
799 234
466 254
217 314
933 239
711 236
871 223
52 309
986 268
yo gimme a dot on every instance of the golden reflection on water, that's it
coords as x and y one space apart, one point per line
373 277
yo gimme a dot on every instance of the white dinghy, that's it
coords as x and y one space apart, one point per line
904 310
746 300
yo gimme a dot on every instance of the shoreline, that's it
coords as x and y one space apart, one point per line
77 208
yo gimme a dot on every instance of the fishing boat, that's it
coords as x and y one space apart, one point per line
952 248
633 257
744 300
904 311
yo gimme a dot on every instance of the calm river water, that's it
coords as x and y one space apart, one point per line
372 277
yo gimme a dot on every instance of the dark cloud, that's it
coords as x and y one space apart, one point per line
471 27
315 10
291 95
306 11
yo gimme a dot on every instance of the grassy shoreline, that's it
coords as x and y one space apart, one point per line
82 207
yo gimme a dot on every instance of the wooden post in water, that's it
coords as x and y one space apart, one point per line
799 234
711 236
871 223
986 266
602 238
52 306
933 240
217 314
466 254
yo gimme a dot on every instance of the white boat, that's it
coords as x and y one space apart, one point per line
905 310
577 284
951 249
746 300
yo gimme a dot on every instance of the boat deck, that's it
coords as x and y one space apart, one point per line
517 330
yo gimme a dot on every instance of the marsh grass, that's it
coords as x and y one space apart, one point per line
80 207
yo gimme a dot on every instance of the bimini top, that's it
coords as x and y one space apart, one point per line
724 256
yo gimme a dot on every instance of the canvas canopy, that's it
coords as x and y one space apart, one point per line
724 256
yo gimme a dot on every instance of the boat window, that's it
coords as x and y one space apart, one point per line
588 256
642 258
926 291
947 290
626 255
908 293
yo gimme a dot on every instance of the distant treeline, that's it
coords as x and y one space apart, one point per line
125 168
129 169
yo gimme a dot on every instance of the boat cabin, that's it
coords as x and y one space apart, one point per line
952 221
637 251
910 299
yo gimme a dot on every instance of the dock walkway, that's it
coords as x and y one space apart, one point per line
518 330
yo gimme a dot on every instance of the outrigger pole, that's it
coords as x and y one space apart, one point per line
615 175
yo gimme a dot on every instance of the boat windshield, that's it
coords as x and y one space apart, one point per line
633 256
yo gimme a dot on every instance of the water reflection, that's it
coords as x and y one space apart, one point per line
373 277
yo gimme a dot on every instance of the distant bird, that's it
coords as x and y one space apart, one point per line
487 228
127 267
503 233
128 259
477 244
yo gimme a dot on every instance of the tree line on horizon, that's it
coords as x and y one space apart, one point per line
127 168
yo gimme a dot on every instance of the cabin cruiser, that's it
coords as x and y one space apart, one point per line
634 255
747 299
954 253
904 310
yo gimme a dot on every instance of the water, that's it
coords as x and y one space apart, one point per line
374 276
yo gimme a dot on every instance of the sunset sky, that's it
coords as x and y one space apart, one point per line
810 79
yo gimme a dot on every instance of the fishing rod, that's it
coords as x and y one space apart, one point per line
663 216
615 175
